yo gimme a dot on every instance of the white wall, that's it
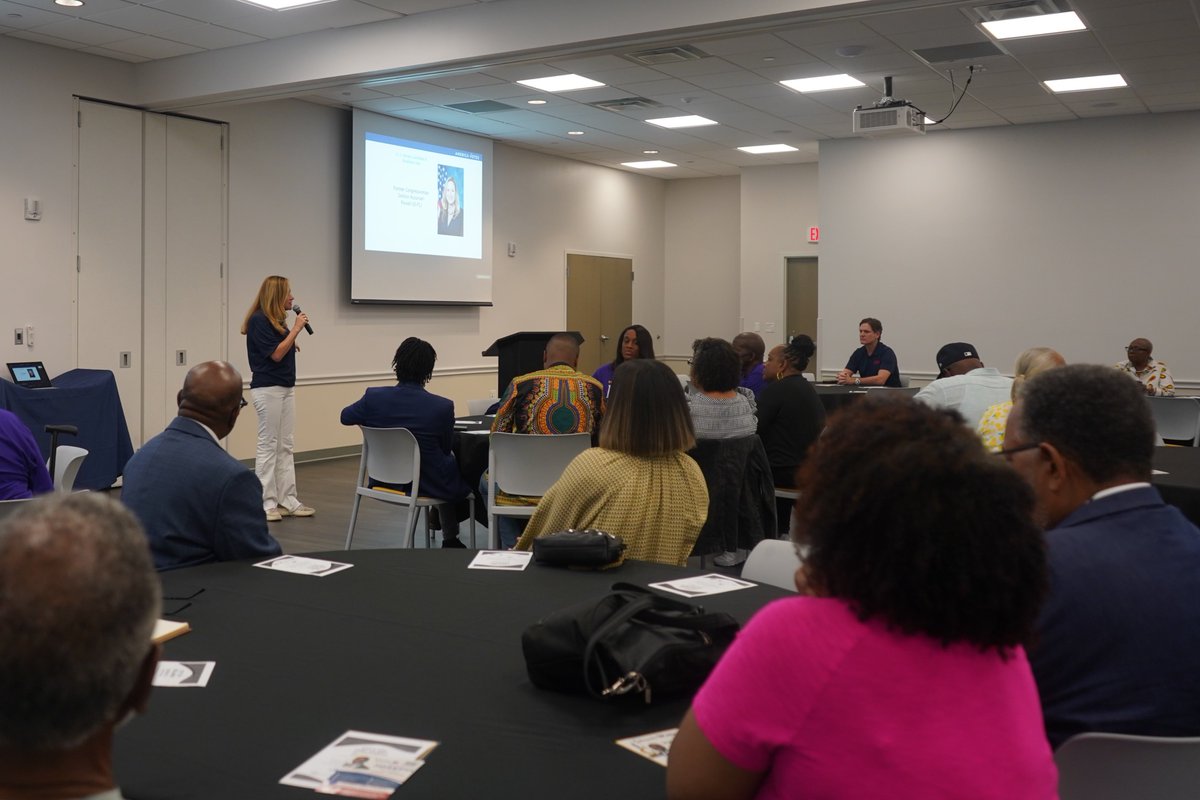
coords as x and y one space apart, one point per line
702 275
1078 235
37 148
778 206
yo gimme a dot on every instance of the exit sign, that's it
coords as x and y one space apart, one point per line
814 235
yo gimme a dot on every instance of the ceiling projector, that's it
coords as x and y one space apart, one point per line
888 116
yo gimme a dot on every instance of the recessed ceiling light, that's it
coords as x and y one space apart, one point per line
823 83
70 3
536 102
648 164
691 121
649 152
284 5
574 133
1039 25
561 83
760 149
1086 84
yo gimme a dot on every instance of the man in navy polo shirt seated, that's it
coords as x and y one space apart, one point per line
874 362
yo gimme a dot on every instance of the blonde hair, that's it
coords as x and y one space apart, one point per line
1033 361
271 299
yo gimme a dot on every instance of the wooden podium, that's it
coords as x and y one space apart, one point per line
520 353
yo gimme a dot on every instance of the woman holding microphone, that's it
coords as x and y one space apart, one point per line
271 349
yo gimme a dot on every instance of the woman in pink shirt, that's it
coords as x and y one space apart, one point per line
900 673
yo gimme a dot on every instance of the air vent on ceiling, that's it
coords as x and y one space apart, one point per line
480 107
626 104
971 51
1012 9
667 55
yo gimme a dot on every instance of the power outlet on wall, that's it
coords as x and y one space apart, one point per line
18 336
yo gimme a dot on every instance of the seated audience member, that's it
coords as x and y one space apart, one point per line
1033 361
720 408
750 348
198 503
430 419
902 673
78 601
964 384
1117 644
22 470
790 416
874 363
555 399
635 342
639 484
1150 372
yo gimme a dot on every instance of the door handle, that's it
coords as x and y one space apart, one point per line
603 338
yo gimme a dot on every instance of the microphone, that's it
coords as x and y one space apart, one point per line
307 327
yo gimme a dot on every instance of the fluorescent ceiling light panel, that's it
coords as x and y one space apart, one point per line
648 164
823 83
1039 25
561 83
1086 84
760 149
691 121
284 5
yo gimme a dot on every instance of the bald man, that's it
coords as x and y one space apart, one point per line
197 503
1156 380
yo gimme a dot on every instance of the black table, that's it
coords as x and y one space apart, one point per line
834 397
1181 485
88 399
408 643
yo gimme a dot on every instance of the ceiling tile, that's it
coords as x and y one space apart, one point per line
816 33
53 41
753 44
83 31
341 14
586 65
114 54
784 56
389 105
152 47
416 6
141 19
21 17
921 20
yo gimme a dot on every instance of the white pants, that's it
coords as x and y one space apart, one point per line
273 462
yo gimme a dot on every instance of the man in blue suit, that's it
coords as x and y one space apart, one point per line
429 417
1117 647
198 503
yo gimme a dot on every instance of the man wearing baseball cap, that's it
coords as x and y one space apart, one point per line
965 384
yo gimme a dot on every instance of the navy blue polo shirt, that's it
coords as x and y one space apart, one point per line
261 341
868 366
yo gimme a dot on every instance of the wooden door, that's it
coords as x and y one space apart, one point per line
802 300
599 305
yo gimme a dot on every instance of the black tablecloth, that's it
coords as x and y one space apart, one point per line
408 643
1181 485
88 399
835 397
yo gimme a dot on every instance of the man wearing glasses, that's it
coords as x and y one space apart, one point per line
1149 372
198 503
1117 648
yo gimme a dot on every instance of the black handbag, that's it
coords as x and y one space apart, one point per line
572 548
631 640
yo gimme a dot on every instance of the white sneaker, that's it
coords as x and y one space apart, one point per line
730 558
274 515
298 511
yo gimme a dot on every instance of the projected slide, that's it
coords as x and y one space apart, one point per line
421 198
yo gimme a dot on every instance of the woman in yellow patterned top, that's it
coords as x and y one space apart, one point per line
995 419
639 484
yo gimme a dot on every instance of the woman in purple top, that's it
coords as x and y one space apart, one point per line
899 672
22 471
635 342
